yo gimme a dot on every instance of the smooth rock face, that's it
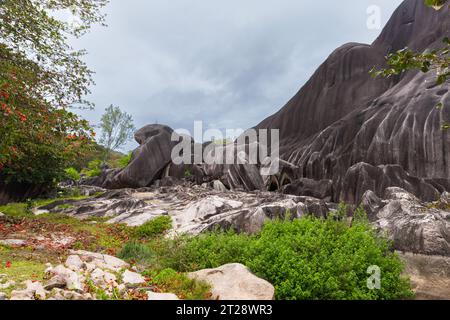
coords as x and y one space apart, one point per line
148 160
235 282
307 187
363 176
412 226
342 116
371 204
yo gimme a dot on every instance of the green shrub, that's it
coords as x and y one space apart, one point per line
153 228
125 160
325 259
188 174
168 280
72 174
137 252
306 258
93 169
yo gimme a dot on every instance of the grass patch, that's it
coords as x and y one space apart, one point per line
153 228
135 252
169 280
19 267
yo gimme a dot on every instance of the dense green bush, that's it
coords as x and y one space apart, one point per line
315 259
93 169
137 252
153 227
125 160
72 174
306 258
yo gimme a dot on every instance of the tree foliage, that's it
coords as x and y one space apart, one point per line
117 129
41 76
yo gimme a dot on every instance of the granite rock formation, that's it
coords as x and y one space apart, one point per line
343 117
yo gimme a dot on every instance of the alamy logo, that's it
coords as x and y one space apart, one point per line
374 17
254 147
374 281
74 19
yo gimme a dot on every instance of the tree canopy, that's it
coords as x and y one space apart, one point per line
41 77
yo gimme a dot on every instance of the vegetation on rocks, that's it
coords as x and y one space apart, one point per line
307 258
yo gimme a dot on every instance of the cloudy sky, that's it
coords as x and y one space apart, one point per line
227 63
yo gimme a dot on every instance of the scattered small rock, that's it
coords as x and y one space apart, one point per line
161 296
102 261
132 278
13 242
71 278
74 263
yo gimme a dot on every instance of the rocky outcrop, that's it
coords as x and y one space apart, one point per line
322 189
412 225
363 176
235 282
193 209
343 117
148 160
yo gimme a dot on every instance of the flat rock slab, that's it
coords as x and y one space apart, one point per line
235 282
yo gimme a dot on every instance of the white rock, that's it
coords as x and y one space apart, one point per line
36 288
98 277
2 295
72 279
38 212
102 261
2 214
235 282
13 242
219 186
135 219
74 263
102 278
22 295
161 296
132 278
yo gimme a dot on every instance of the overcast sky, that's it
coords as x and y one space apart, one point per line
228 63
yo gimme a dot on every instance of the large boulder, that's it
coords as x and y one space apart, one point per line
363 176
342 116
148 160
321 189
414 226
235 282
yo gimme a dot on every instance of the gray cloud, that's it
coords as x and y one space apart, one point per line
228 63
